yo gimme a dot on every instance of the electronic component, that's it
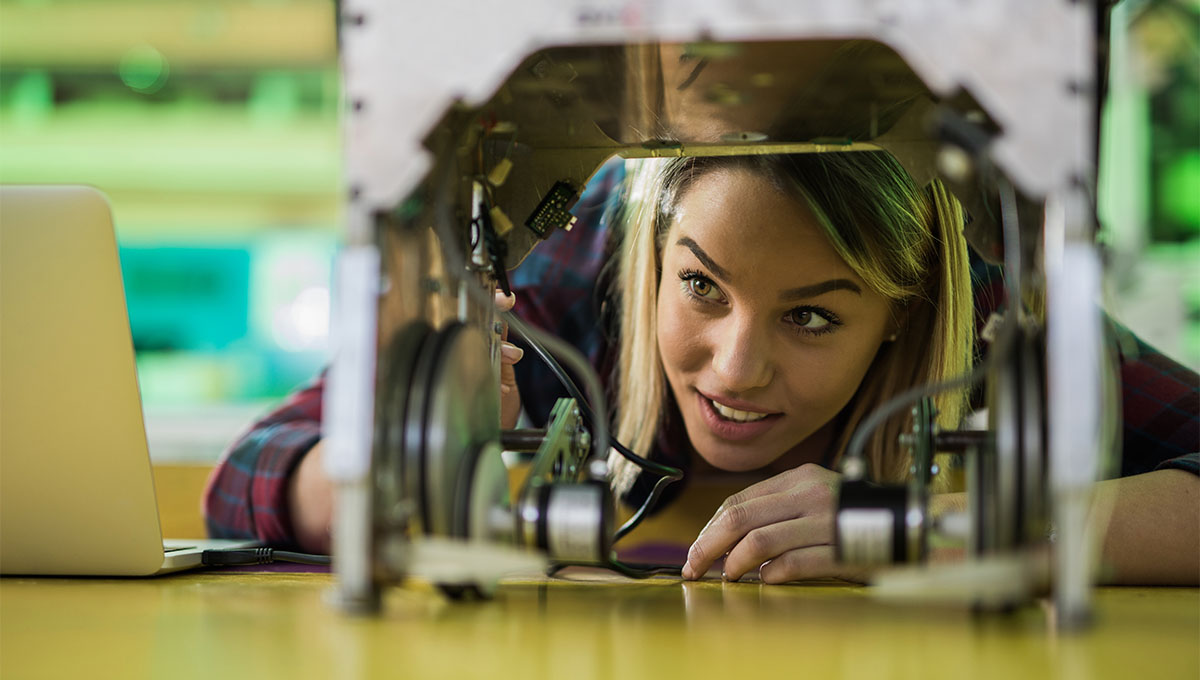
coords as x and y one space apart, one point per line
554 210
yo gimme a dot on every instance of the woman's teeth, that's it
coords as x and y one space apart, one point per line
734 414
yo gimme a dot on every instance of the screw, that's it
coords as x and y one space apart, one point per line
954 163
598 469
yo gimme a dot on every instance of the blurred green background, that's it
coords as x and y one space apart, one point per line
212 125
213 128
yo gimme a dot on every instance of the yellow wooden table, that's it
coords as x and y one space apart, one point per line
214 626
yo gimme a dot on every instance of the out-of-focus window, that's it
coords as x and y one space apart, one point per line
213 129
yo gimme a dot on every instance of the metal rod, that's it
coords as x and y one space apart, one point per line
522 441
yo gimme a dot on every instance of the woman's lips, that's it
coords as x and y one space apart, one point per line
737 404
732 430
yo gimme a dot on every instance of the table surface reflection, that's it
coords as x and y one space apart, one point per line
218 625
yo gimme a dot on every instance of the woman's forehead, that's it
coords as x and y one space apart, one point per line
744 223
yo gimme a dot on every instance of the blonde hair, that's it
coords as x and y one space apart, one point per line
904 241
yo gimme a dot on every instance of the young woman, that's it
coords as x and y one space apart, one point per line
763 306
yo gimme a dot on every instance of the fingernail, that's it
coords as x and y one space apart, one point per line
687 572
505 389
511 353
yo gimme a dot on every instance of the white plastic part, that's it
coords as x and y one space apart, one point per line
1075 387
350 385
349 423
989 582
447 560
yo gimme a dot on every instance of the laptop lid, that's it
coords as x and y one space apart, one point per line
76 490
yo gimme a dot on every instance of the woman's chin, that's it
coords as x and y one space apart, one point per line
733 460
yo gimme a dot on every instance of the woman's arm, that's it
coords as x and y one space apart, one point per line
1153 531
1151 527
247 492
310 503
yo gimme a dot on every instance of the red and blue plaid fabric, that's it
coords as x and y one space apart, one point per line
560 288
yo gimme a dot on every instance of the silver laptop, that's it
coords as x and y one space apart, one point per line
76 490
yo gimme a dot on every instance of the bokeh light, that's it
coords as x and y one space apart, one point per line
144 69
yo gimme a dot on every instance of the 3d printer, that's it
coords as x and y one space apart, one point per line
464 152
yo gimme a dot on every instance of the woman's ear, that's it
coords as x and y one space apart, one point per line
896 321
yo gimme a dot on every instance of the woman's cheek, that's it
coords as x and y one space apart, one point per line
825 381
678 338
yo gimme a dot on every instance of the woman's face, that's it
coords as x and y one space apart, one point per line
765 332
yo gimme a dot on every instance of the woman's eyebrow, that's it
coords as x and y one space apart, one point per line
707 261
820 288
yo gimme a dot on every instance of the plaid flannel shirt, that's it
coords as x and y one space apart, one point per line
560 288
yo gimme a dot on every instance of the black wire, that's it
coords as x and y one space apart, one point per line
644 570
301 558
636 519
590 416
251 556
629 570
668 474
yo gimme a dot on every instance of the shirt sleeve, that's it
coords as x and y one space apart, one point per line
1160 409
246 495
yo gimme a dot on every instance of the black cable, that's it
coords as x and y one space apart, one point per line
251 556
644 570
629 570
636 519
668 474
590 417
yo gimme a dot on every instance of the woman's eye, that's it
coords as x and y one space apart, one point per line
810 320
704 288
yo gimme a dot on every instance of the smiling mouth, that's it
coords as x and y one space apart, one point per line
735 415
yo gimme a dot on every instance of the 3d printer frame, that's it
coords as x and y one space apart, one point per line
467 140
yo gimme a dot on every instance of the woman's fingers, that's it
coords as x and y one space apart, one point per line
510 354
769 542
735 520
806 491
505 303
809 563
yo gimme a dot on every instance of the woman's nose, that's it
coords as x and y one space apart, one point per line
741 355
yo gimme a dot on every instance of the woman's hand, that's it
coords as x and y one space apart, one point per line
510 354
782 527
